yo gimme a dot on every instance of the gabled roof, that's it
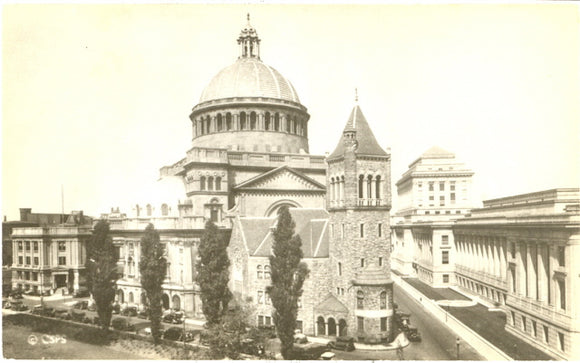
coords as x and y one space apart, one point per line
311 226
331 303
281 178
367 143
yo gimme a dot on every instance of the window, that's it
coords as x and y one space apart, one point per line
164 209
27 243
61 260
360 297
446 278
452 185
441 186
420 185
562 288
431 197
218 183
362 262
513 318
36 261
20 260
202 183
268 320
441 200
546 334
260 297
19 245
299 325
35 247
259 273
35 276
445 240
445 257
360 323
149 210
267 121
561 341
242 121
229 121
267 272
561 256
27 275
339 269
28 260
360 186
534 331
342 230
380 261
260 320
524 323
452 198
380 229
268 301
431 186
362 230
378 187
210 183
298 302
383 324
383 300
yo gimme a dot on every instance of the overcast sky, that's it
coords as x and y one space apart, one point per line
97 97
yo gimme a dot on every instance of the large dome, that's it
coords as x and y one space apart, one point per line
249 77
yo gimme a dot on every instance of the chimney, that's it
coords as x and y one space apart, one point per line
24 213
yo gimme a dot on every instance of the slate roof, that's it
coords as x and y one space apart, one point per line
311 225
367 143
331 303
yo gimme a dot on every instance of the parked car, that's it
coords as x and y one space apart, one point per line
300 338
413 334
18 306
143 313
82 305
116 308
129 311
310 351
178 334
342 343
174 318
82 293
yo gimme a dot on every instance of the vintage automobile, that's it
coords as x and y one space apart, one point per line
129 311
81 305
413 334
178 334
143 313
116 308
176 317
18 306
342 343
43 311
309 351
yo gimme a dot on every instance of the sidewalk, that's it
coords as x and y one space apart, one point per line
488 324
360 346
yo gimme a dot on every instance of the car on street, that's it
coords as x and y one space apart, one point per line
342 343
81 305
413 334
178 334
129 311
309 351
176 317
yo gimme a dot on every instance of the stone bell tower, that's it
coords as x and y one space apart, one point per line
359 203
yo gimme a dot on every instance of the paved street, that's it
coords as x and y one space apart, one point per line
438 340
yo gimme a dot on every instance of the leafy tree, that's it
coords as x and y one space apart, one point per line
288 274
102 271
152 268
213 275
225 338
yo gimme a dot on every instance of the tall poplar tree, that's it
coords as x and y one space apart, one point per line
152 269
102 271
288 274
213 275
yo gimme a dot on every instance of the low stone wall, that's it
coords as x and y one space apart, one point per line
482 346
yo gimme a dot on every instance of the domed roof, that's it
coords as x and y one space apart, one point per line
249 77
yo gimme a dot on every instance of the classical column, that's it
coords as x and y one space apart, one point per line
502 262
520 271
553 262
76 280
542 273
530 254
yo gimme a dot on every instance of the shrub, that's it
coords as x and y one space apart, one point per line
120 324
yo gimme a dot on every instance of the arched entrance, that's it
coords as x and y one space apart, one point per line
165 301
342 330
331 326
131 298
176 302
320 326
120 296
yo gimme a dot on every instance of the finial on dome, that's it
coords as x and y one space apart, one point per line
249 41
356 95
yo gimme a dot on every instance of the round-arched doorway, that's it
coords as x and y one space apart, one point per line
342 329
120 296
331 326
176 302
320 326
165 301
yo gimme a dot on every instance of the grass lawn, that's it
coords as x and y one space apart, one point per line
490 326
15 346
434 293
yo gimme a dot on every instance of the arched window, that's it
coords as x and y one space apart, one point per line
378 187
208 123
360 298
210 183
294 126
339 269
383 299
360 185
259 271
267 121
219 122
288 123
242 121
332 186
267 272
218 183
276 121
202 126
164 209
137 209
202 183
131 298
252 120
148 210
369 188
228 121
176 302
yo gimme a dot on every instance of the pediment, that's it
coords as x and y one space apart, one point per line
282 178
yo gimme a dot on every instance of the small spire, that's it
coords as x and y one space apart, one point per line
356 95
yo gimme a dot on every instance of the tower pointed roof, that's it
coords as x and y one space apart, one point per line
366 142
